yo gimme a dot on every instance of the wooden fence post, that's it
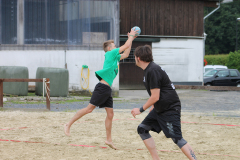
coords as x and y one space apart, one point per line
26 80
47 93
1 93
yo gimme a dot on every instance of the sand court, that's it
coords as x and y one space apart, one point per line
39 135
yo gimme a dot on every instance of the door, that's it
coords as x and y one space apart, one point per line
222 78
130 75
234 77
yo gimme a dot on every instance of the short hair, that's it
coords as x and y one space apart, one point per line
107 44
144 53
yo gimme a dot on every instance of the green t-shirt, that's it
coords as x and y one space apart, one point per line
110 66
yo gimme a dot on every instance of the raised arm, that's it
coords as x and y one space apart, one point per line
126 53
128 43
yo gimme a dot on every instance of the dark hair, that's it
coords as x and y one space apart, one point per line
107 44
144 53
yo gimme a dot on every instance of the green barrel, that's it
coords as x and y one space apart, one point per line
14 72
59 81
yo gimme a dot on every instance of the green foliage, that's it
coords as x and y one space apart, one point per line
220 28
220 59
231 60
234 60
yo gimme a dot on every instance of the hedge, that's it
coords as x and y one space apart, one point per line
220 59
234 60
231 60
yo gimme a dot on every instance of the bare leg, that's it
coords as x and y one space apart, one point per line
188 151
108 125
150 144
77 116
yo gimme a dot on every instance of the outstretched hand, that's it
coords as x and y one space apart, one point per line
133 33
135 111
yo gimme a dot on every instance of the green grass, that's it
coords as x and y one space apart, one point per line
31 94
44 101
78 95
67 101
27 102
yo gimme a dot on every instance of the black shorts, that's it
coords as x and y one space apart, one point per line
102 96
169 122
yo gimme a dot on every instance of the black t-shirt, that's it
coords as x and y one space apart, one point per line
156 77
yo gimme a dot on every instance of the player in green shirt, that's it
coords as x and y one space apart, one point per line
102 93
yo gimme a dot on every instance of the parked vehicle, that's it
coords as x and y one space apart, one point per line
210 67
222 77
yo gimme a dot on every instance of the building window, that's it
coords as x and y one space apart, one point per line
8 21
58 24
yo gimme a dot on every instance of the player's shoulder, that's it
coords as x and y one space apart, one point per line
114 50
153 67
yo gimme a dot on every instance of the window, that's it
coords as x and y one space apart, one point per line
207 69
35 22
233 73
8 21
223 73
59 24
210 73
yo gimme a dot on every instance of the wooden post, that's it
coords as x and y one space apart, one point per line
1 93
47 93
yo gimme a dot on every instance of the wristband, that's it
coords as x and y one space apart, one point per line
131 35
141 109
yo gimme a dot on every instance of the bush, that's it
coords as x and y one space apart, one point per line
233 61
220 59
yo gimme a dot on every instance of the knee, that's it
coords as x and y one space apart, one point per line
143 131
180 142
110 115
89 110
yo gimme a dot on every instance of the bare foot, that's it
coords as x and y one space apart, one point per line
110 145
66 130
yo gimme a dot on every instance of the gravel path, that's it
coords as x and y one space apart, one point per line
200 102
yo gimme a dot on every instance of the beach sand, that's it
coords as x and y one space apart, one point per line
39 135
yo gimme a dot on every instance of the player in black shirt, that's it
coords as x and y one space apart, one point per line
165 113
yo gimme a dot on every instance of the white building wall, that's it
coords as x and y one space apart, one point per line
181 58
94 60
57 59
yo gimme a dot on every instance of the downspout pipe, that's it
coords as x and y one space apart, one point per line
208 16
212 11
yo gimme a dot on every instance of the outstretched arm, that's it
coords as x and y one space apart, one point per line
126 53
128 43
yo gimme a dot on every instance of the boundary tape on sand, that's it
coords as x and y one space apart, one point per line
7 140
228 125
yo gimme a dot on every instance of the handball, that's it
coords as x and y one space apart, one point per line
136 28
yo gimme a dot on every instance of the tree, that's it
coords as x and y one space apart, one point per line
220 28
